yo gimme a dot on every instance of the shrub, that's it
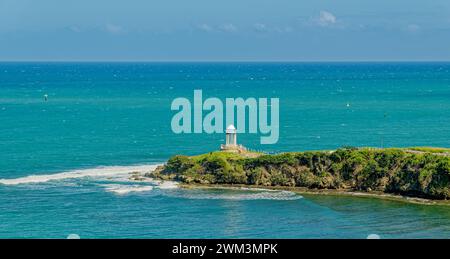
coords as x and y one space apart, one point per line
387 170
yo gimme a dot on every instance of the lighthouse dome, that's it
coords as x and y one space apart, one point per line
231 129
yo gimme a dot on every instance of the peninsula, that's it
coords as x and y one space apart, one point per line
421 173
413 172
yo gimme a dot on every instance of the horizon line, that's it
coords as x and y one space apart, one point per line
219 61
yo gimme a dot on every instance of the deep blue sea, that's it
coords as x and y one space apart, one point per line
64 162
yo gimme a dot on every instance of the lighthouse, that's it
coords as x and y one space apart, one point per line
231 140
230 136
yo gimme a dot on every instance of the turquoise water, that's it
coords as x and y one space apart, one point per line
102 115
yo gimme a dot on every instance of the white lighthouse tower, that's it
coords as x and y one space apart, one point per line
230 136
231 140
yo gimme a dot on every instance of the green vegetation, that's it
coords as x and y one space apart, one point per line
397 171
431 149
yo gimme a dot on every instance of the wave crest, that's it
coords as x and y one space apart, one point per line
106 171
125 189
265 195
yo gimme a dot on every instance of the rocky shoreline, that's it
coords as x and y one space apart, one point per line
326 192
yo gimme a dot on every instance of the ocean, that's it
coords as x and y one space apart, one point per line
64 161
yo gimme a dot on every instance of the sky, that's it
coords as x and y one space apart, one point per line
225 30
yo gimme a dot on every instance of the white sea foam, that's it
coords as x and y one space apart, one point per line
248 189
373 236
73 236
99 172
167 185
269 195
162 184
125 189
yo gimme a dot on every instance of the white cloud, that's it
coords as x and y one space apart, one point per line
205 27
229 27
326 19
114 29
260 27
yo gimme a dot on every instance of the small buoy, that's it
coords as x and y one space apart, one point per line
373 236
73 236
45 97
348 104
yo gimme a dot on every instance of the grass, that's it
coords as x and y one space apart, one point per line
217 154
430 149
226 155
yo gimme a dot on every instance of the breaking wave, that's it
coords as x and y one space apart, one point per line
166 184
266 195
125 189
122 180
98 172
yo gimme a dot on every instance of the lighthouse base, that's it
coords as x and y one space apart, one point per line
233 148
